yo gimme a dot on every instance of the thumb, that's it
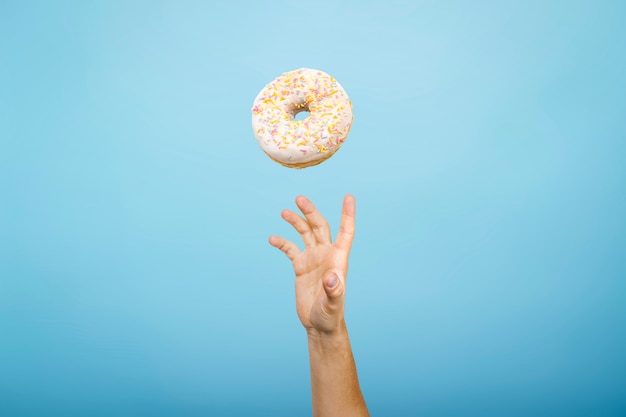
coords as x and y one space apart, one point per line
334 287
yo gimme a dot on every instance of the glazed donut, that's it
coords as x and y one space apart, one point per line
302 143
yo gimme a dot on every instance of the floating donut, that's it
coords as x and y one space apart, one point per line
302 143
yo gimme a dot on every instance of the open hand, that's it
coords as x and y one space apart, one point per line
322 267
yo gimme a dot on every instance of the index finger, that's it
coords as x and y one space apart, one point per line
346 226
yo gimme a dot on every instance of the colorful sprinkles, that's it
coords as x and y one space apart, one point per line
299 143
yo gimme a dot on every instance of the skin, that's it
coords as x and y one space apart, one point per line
321 271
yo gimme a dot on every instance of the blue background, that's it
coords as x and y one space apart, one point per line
487 157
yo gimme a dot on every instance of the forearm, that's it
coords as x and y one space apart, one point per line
334 380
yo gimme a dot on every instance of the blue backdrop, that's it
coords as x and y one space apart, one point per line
487 157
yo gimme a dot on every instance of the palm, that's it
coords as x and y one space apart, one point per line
310 268
320 257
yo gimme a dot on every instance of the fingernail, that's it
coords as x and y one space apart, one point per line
333 280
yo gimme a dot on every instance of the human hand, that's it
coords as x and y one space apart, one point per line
322 267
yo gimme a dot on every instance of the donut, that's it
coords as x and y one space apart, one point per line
301 143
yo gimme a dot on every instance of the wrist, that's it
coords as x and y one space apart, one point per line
328 339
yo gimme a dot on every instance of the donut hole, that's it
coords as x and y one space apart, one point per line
300 111
301 115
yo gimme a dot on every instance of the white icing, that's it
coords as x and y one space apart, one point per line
308 141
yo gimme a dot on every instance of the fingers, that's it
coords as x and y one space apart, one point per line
315 228
288 248
300 225
317 222
346 226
